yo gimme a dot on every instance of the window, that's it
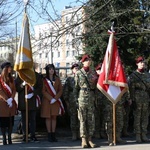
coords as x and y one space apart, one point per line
67 53
67 19
58 54
73 43
46 55
40 55
73 53
67 64
67 42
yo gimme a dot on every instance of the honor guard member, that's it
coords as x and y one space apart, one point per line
84 93
139 87
71 105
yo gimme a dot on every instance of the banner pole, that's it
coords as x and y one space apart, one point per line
114 124
26 101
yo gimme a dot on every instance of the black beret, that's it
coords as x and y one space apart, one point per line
5 64
74 65
49 66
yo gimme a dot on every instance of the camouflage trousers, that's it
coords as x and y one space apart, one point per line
109 119
99 119
141 115
87 120
127 110
74 121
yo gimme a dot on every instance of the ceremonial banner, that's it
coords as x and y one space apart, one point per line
112 80
24 62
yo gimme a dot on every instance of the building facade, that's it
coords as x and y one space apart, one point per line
59 42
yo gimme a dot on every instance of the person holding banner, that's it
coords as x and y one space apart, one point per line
51 104
139 87
8 106
34 94
84 94
100 131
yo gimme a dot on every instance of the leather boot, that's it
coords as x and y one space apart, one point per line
97 135
53 137
119 140
3 130
144 138
92 145
50 137
138 138
9 139
74 136
9 135
110 139
103 135
84 143
125 133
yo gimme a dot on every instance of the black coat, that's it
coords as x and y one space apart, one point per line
21 93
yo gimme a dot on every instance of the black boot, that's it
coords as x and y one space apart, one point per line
9 139
24 138
50 137
9 135
53 137
3 130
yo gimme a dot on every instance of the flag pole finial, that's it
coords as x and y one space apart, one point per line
25 4
112 26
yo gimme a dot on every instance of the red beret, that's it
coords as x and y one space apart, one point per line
84 57
139 59
74 65
98 67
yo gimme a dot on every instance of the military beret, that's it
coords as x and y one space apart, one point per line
98 67
74 65
5 64
139 59
84 57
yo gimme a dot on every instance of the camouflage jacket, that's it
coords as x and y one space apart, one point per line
139 91
84 91
68 89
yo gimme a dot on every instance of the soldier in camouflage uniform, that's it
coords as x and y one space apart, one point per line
84 93
139 86
127 109
71 105
100 131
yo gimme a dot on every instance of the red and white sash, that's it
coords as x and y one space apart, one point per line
7 89
53 93
38 99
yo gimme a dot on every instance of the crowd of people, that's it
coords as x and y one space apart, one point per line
91 113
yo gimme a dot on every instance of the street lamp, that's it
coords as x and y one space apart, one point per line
16 35
51 49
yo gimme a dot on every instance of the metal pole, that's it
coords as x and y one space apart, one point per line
16 36
51 50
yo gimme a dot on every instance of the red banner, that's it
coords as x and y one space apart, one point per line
112 80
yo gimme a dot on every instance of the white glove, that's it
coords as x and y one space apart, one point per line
28 96
52 101
9 102
24 83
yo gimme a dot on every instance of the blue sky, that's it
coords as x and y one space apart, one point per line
59 5
34 6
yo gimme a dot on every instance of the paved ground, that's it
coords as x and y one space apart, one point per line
65 142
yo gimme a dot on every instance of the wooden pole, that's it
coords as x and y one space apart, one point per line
26 101
114 124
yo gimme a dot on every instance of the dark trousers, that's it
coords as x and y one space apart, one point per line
31 121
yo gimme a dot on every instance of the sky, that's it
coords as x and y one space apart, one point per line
58 5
